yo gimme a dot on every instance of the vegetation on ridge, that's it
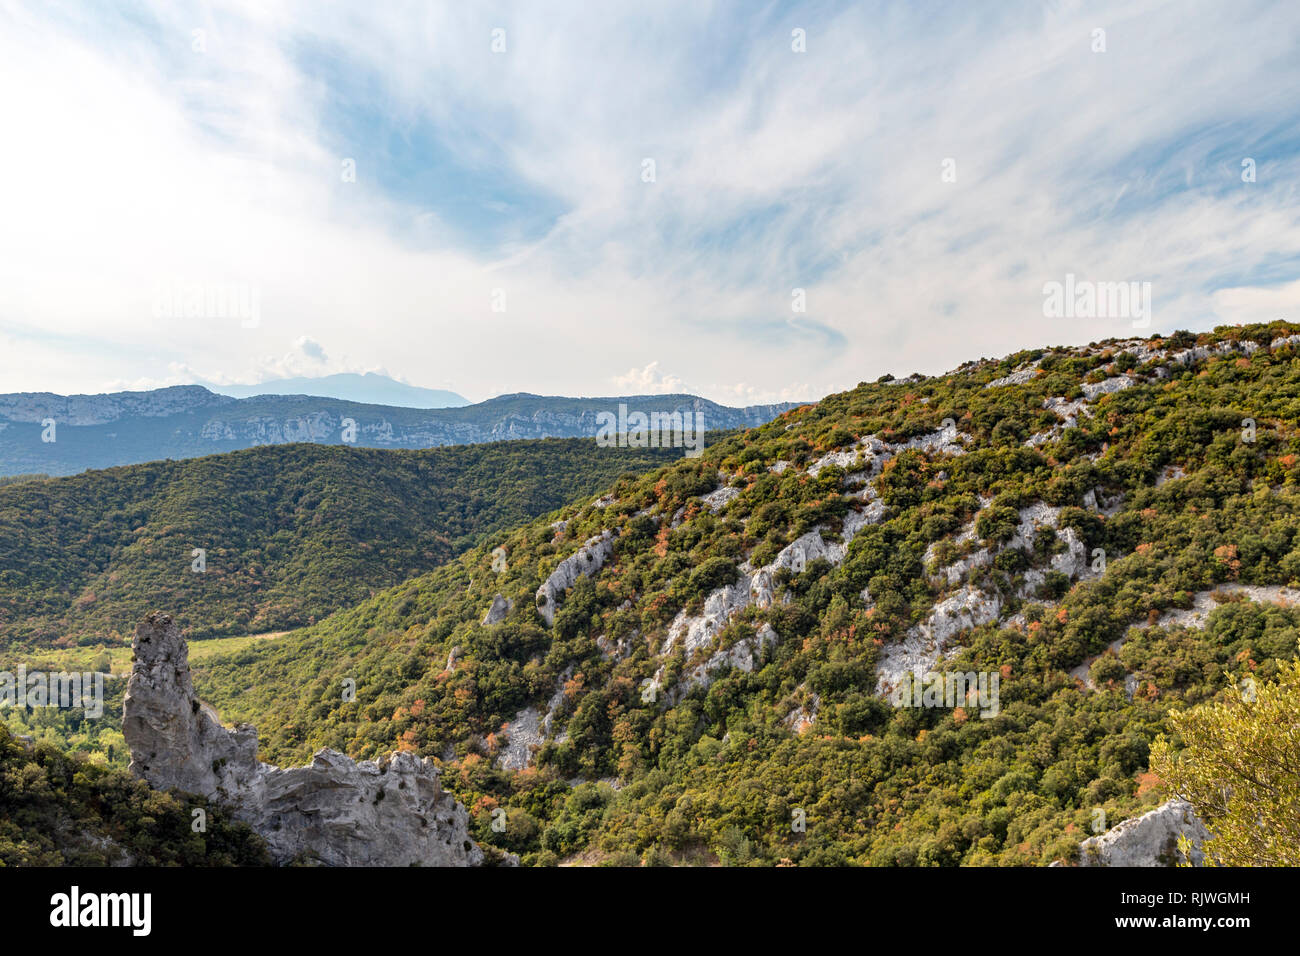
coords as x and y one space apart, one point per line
719 772
290 532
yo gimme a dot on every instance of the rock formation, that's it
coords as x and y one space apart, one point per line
587 560
501 606
335 811
1148 840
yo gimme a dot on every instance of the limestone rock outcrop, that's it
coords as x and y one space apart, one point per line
335 811
926 642
587 560
496 613
1148 840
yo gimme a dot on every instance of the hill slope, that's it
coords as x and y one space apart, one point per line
290 533
57 810
1105 532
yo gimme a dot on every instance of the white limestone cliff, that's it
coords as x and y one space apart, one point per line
498 610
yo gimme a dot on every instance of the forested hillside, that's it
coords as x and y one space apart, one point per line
58 810
289 533
700 665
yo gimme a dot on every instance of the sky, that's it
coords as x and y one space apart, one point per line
750 202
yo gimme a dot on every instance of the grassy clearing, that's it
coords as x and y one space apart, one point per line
117 660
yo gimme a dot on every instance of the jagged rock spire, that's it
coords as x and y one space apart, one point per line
336 811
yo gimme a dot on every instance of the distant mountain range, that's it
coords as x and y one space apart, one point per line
369 388
187 421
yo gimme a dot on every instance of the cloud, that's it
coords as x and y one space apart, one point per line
520 173
1259 303
310 349
742 393
649 380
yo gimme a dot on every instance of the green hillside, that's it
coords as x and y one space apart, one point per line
290 533
57 810
719 683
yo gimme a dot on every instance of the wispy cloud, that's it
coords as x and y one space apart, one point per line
501 234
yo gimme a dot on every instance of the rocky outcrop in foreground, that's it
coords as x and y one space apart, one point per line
334 811
1148 840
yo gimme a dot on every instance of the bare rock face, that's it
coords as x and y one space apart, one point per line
175 739
926 642
344 813
1148 840
587 560
501 606
335 811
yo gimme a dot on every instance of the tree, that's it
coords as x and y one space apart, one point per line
1240 770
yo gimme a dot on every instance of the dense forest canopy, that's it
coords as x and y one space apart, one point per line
289 533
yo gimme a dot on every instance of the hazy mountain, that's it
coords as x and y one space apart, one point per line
186 421
369 388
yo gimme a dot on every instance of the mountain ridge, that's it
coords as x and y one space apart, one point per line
186 421
718 660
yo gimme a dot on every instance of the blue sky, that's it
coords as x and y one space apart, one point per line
500 233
